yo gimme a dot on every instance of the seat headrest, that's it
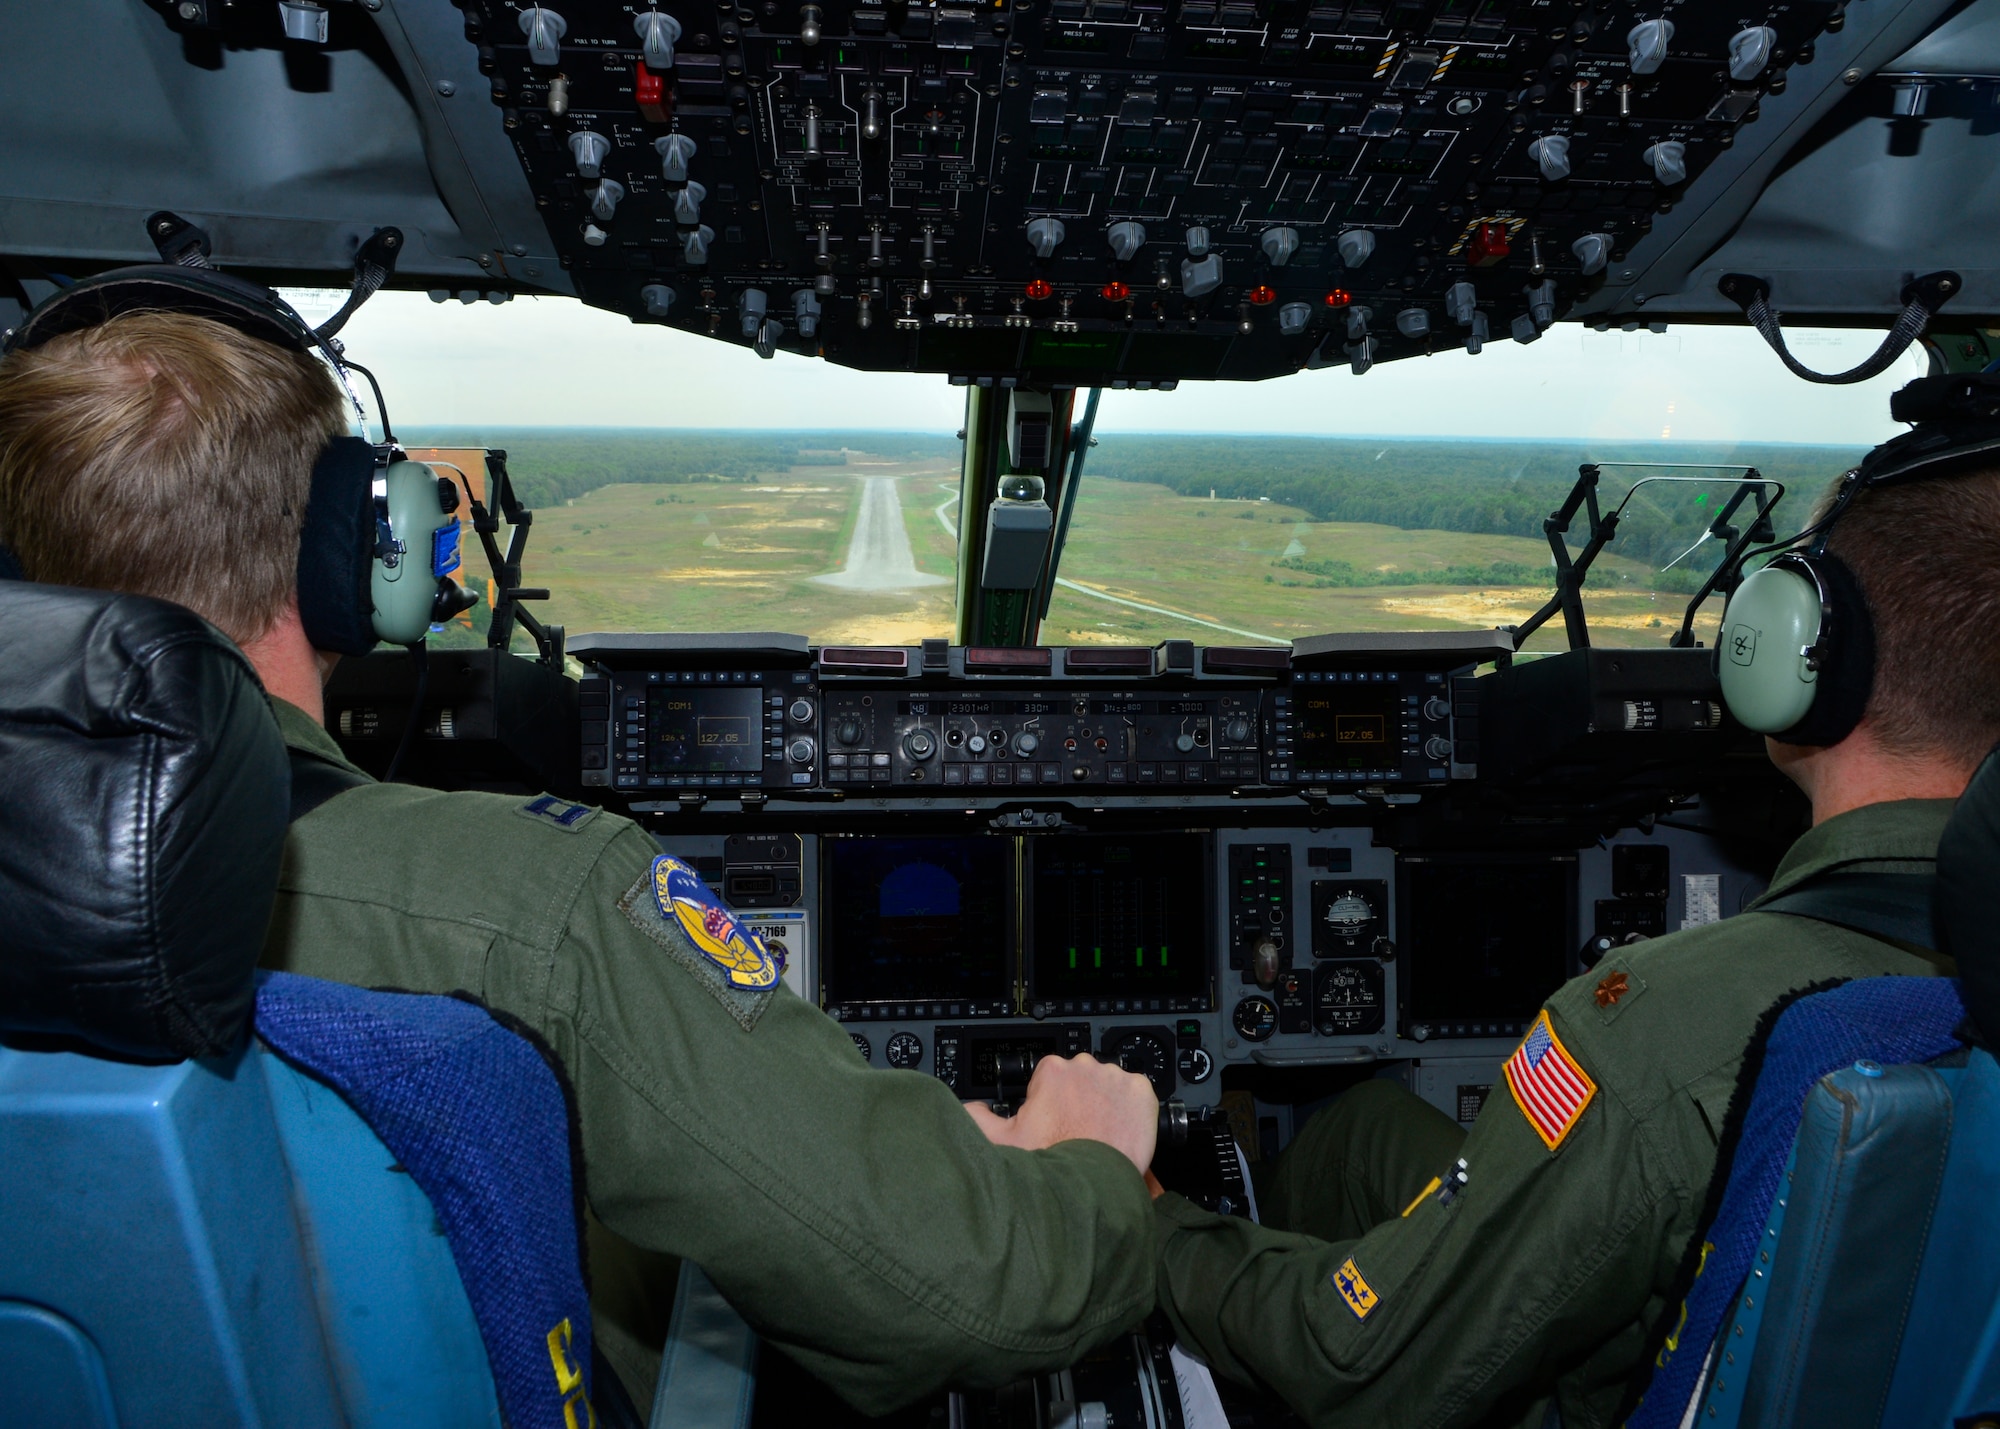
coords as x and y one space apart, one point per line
144 791
1967 908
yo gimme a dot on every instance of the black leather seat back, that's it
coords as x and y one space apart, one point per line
1966 914
143 797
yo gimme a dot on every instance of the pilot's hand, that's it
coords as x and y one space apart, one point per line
1079 1099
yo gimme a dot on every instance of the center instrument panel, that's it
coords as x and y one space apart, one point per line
1118 192
1176 858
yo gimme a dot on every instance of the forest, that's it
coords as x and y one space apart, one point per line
1501 488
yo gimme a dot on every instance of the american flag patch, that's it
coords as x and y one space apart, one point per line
1548 1085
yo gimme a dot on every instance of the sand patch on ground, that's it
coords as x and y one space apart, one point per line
902 628
713 573
1482 607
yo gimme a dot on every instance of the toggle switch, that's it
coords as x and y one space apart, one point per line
1475 337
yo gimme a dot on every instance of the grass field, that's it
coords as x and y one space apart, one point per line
729 556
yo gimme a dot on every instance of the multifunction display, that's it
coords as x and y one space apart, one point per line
695 730
1118 923
928 927
919 927
1361 727
1486 939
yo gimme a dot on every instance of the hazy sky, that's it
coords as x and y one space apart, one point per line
555 362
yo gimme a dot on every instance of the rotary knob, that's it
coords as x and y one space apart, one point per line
1437 747
848 731
800 750
976 744
1237 730
1027 743
1436 707
1184 742
801 711
920 744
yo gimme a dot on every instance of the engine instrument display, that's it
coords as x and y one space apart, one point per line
704 731
1485 939
1119 923
919 927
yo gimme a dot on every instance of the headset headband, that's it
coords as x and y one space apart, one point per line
165 287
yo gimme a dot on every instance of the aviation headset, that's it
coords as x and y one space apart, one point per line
380 538
1797 651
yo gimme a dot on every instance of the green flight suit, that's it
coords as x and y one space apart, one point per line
1546 1273
855 1217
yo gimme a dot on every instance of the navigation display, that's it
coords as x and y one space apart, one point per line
919 921
696 731
1486 937
1119 921
1349 727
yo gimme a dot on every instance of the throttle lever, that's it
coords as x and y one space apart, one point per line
1173 1122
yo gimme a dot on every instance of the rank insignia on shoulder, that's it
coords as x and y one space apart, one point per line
1359 1295
556 813
712 928
1548 1085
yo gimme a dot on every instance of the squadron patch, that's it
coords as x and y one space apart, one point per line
1359 1295
1548 1085
683 898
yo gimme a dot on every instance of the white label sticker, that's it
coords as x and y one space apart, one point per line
1201 1406
785 930
1701 899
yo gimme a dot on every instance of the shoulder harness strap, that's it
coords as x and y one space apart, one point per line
314 781
1895 907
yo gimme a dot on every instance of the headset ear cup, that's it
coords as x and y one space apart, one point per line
1847 668
1773 615
337 548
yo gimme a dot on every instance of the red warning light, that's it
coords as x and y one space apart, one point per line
1039 288
1339 298
1114 292
1263 293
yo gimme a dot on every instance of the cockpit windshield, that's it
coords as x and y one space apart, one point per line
686 485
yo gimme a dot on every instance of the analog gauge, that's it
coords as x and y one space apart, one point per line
1196 1065
1148 1051
1347 998
1347 915
1255 1018
861 1046
904 1050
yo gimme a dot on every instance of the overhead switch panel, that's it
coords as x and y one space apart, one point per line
1089 192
